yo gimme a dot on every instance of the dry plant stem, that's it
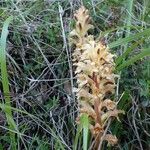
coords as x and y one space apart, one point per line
105 132
134 123
66 48
95 79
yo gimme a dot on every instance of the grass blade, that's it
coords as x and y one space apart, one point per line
127 52
5 81
145 52
122 41
85 124
77 137
129 8
128 20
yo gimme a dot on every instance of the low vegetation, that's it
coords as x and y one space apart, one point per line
38 96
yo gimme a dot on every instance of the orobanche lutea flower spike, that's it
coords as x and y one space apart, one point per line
95 79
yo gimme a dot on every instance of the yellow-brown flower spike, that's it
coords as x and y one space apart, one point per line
95 78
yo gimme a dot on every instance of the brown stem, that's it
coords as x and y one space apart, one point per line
98 116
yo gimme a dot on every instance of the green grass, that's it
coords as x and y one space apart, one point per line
5 83
36 72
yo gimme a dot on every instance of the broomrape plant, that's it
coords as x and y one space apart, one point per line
95 79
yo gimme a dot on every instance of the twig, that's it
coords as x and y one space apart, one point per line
134 124
102 138
66 48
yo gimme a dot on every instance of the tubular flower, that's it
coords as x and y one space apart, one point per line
95 78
